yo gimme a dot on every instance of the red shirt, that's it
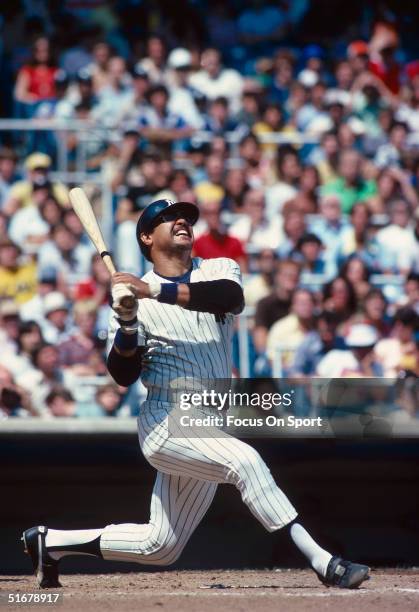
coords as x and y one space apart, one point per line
41 81
390 75
209 247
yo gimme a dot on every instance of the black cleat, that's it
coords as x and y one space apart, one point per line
344 574
44 566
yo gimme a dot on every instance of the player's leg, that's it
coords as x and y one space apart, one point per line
178 505
216 456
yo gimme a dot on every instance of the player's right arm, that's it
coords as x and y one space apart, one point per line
126 344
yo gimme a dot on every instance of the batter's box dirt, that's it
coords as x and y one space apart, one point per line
234 590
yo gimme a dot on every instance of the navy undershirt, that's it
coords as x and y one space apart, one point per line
183 278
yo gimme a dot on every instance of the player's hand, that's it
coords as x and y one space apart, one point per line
138 287
119 291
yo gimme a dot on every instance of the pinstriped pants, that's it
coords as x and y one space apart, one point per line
189 468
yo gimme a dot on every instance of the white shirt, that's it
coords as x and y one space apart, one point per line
276 196
183 344
228 83
27 222
337 364
399 247
267 235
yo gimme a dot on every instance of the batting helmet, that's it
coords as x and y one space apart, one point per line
153 210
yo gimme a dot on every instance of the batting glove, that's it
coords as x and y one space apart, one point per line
127 317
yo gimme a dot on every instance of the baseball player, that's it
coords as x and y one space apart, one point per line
180 328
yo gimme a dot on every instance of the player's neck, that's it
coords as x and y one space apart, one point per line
172 266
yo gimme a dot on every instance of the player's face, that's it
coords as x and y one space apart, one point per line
173 229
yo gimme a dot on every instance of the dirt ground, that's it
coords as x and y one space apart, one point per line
233 590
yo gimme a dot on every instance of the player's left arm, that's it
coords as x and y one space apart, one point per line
220 295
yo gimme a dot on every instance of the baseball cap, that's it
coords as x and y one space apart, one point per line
356 48
54 301
38 160
308 78
312 50
361 335
179 58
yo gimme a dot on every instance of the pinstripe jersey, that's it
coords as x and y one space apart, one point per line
183 343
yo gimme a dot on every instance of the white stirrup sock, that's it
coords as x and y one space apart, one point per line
70 539
318 557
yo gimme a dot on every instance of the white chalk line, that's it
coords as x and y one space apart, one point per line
275 592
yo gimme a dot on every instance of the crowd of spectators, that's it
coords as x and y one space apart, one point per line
301 150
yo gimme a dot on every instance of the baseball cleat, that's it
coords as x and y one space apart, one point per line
344 574
44 566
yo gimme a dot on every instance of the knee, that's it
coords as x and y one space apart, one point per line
164 550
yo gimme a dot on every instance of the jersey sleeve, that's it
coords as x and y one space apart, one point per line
113 328
222 268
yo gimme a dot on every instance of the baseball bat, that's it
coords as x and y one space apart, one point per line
83 209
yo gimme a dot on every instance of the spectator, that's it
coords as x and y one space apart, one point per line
14 401
391 153
8 173
115 94
399 353
219 121
43 377
331 228
134 104
213 187
108 399
358 361
316 345
98 69
158 124
155 61
76 351
21 193
215 81
392 183
289 171
55 325
294 228
9 327
287 334
326 157
260 284
235 189
18 278
373 313
253 228
28 228
65 254
397 243
339 297
350 187
61 403
272 123
308 252
182 102
35 81
216 241
28 340
277 304
357 273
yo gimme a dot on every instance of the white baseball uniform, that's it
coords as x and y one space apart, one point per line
183 344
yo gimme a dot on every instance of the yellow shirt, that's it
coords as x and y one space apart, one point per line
286 334
19 285
22 191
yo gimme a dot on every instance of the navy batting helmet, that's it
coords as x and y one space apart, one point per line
154 210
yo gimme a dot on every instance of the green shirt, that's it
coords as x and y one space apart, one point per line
350 195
